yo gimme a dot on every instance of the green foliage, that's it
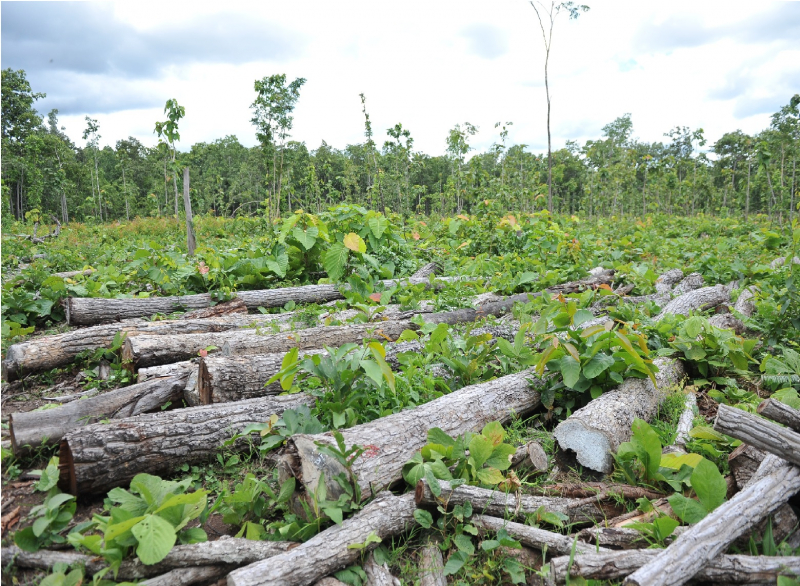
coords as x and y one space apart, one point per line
50 518
474 458
61 575
710 488
249 502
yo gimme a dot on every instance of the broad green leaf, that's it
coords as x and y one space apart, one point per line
706 432
501 457
437 436
373 371
355 243
689 510
675 461
378 225
408 336
335 513
456 561
307 238
26 540
480 449
156 538
597 364
464 543
494 432
570 370
592 330
423 518
709 484
665 526
335 260
490 476
647 438
582 316
693 326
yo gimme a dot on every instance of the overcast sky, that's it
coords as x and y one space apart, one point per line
720 66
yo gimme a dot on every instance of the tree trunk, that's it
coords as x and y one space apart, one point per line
89 311
685 424
230 307
377 574
31 429
775 481
187 206
188 576
509 504
780 412
595 431
144 350
46 352
431 565
394 439
724 569
697 300
98 457
427 270
232 552
535 537
185 367
331 550
759 432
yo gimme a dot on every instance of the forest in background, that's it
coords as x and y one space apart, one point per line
45 172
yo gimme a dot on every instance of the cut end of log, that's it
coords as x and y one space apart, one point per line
204 387
591 447
127 356
14 446
67 481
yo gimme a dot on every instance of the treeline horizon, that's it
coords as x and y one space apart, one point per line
44 172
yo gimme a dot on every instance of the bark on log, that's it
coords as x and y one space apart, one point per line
391 441
501 504
328 551
90 311
724 569
781 260
690 282
743 463
71 274
229 551
696 300
184 367
745 304
667 281
759 432
595 431
188 576
588 489
30 429
99 457
46 352
427 270
685 424
431 566
147 350
378 574
775 481
534 537
780 412
233 306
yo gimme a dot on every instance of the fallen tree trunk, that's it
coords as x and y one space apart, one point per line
70 274
501 504
391 441
378 574
696 300
759 432
153 350
427 270
780 412
46 352
185 367
534 537
30 429
431 565
330 550
98 457
229 551
93 310
724 569
775 481
187 576
589 489
685 424
595 431
230 307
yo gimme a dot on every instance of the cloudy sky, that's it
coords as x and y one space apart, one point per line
429 65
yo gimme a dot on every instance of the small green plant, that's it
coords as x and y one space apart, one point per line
150 517
61 575
275 431
249 502
51 517
657 531
709 486
475 458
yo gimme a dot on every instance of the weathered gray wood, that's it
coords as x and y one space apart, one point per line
90 311
228 551
378 574
328 551
391 441
229 307
187 576
685 424
595 431
759 432
98 457
46 352
780 412
427 270
71 274
781 260
724 569
30 429
775 481
534 537
185 367
146 350
501 504
696 300
431 565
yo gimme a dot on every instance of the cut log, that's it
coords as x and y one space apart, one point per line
595 431
146 350
90 311
502 504
743 463
745 304
228 551
427 270
72 274
690 282
431 565
781 260
184 367
534 537
187 576
330 550
696 300
588 489
724 569
667 281
46 352
685 424
378 574
759 432
780 412
232 306
728 321
391 441
775 481
98 457
531 456
33 428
